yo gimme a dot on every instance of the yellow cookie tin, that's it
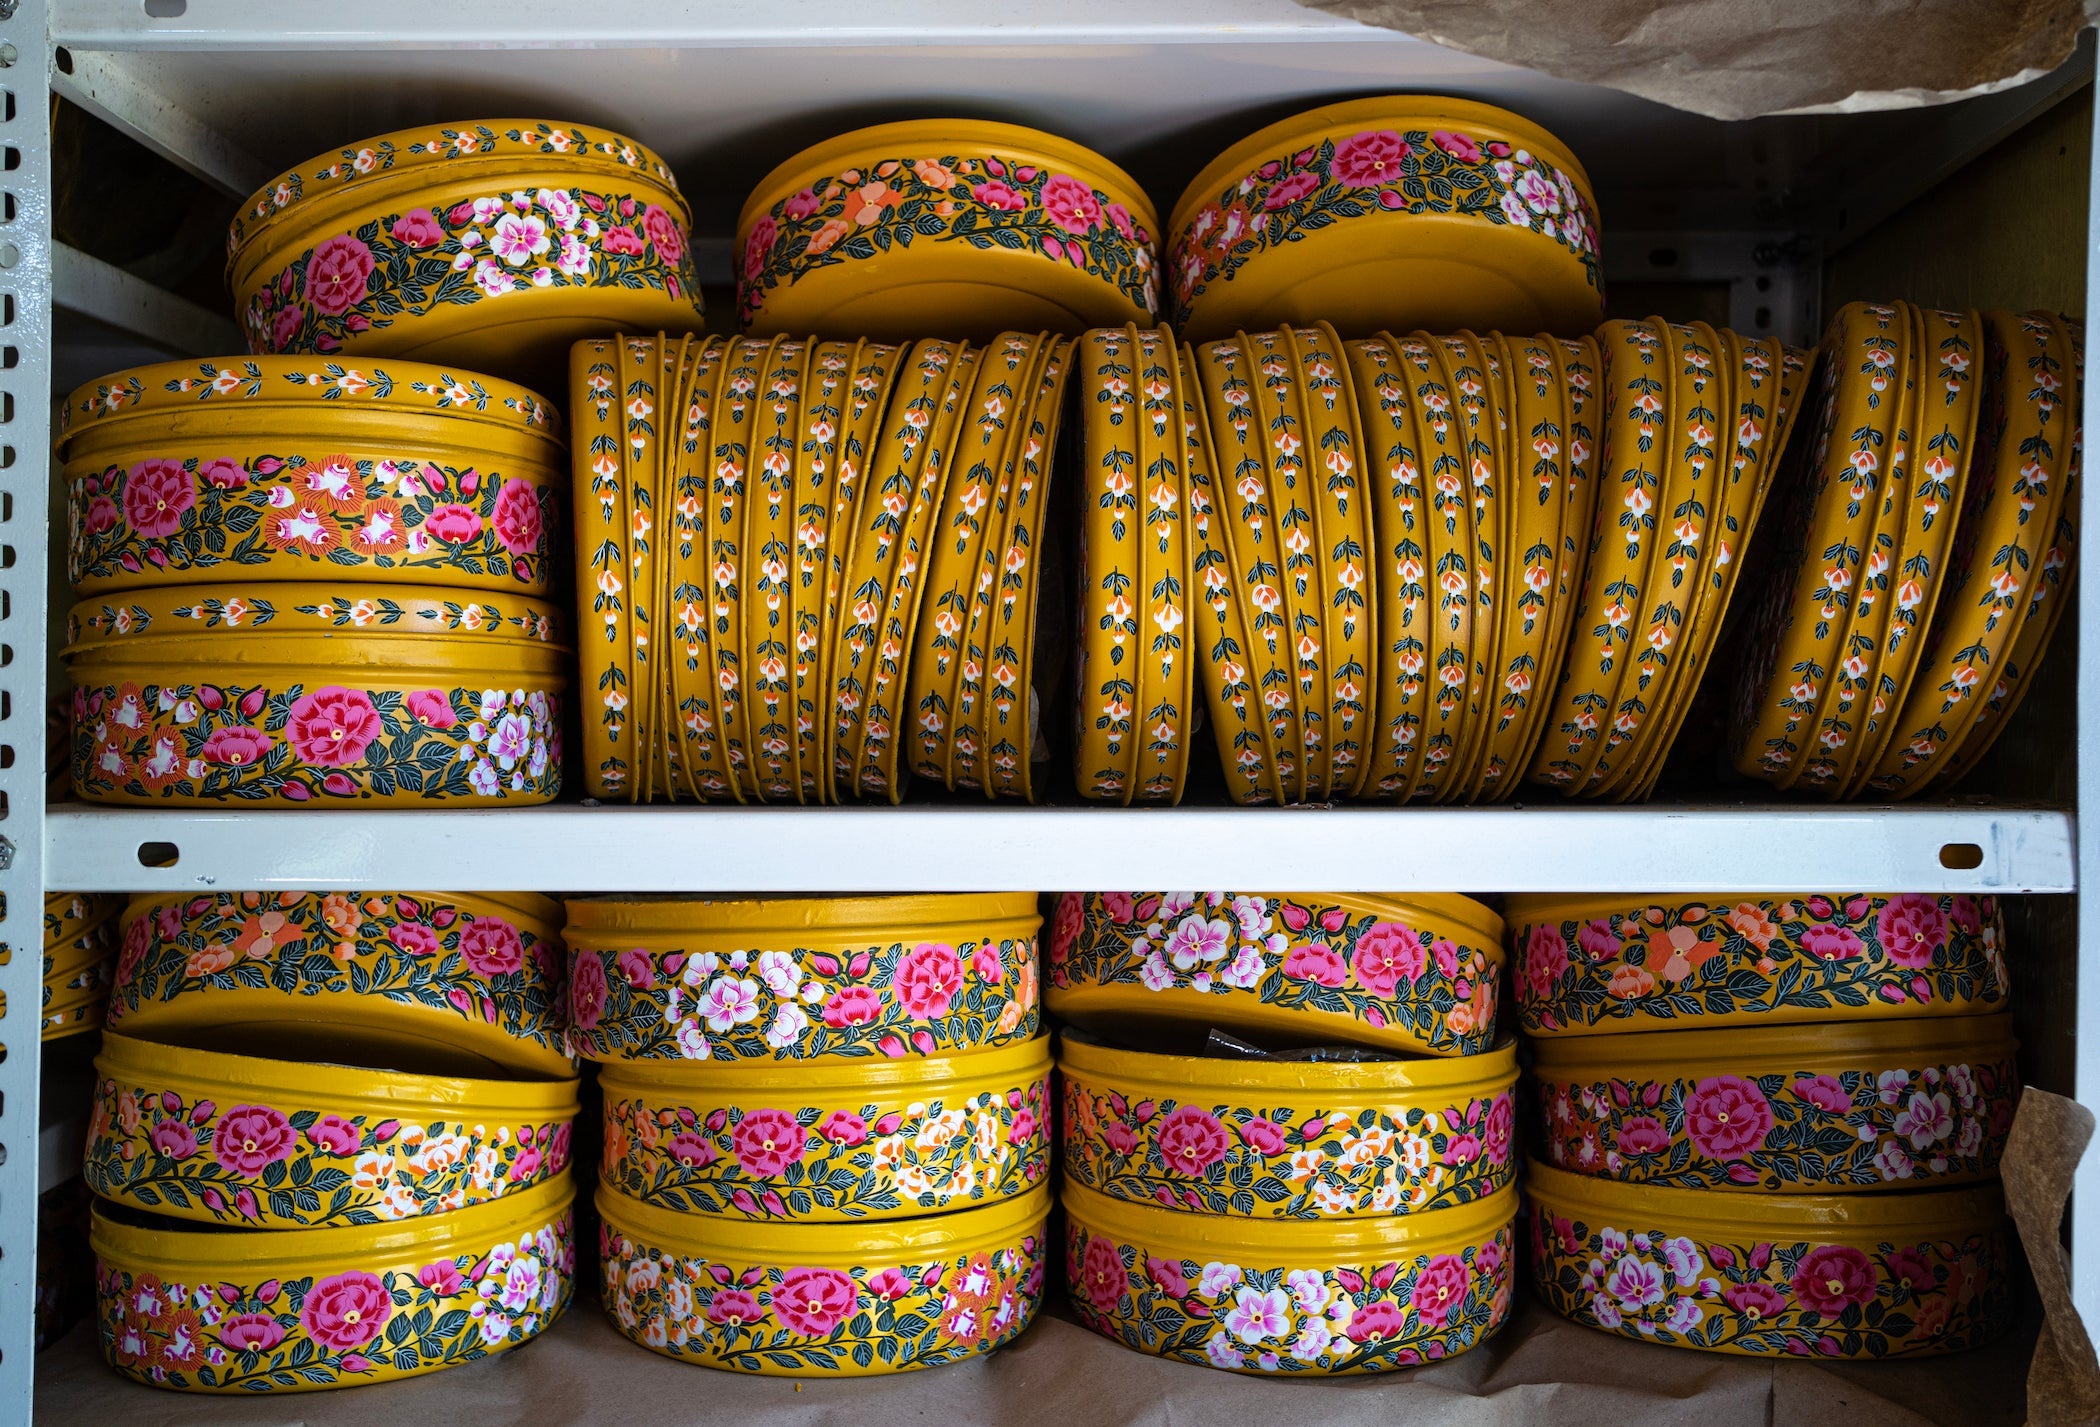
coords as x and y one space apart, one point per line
837 1142
955 228
444 983
787 979
249 1142
1291 1298
1606 963
1844 1108
288 468
1413 974
1398 212
1280 1139
823 1300
494 244
1845 1276
203 1310
298 695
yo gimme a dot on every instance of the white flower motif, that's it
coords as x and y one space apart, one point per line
1218 1279
519 239
1257 1316
692 1041
729 1001
1309 1287
1221 1352
699 968
789 1022
1154 972
1198 941
1245 970
1312 1341
1253 915
778 969
559 206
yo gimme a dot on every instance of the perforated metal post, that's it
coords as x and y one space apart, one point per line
25 443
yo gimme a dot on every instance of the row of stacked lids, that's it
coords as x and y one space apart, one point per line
809 570
1770 1124
497 244
1310 1167
330 1137
80 946
826 1126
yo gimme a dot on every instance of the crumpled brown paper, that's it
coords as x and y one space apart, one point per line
2048 1138
1737 59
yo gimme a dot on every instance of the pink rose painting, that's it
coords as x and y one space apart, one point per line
453 524
843 1127
928 978
1832 1278
734 1308
432 708
346 1310
1101 1274
1439 1289
157 494
491 946
251 1138
249 1332
418 228
1912 929
516 518
235 746
1316 962
1369 159
332 726
811 1302
337 272
1387 954
1070 204
587 991
766 1142
1191 1140
853 1006
1727 1117
334 1135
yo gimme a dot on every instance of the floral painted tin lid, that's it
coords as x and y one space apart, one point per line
314 608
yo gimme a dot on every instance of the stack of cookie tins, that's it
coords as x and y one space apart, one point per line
809 570
1694 423
330 1138
307 582
80 944
1770 1125
826 1126
492 244
1385 539
1309 1169
1919 557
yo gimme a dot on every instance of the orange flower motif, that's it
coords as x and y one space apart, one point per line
211 960
1629 982
827 237
865 204
1749 922
933 175
341 914
259 936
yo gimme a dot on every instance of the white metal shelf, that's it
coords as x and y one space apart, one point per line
925 848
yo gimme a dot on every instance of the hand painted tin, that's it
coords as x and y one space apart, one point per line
249 1142
1848 1276
1291 1298
823 1300
203 1310
1279 1139
494 245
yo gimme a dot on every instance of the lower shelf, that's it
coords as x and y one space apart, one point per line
1539 1370
933 848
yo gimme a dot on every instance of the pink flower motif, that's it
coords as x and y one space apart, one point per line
994 194
415 939
801 204
491 946
1378 1320
1388 954
622 242
766 1142
284 327
843 1127
1289 189
1438 1291
1831 943
453 524
1910 1267
432 708
663 230
1597 941
1369 159
1500 1128
1726 1117
1833 1277
251 1138
516 518
928 978
172 1138
691 1149
336 273
1023 1128
1191 1140
1070 204
418 228
346 1310
889 1285
1317 962
759 246
1545 961
222 473
586 991
1120 906
1967 915
1823 1092
734 1308
985 965
853 1006
250 1332
1457 145
1912 929
1169 1278
1264 1137
638 967
1101 1274
235 746
101 515
332 726
156 495
813 1301
441 1276
332 1134
1462 1149
1755 1301
1642 1135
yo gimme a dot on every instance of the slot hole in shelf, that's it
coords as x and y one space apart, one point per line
1961 856
159 854
166 9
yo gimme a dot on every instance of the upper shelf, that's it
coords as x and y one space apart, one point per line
239 89
924 848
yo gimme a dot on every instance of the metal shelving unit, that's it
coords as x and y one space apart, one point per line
233 90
